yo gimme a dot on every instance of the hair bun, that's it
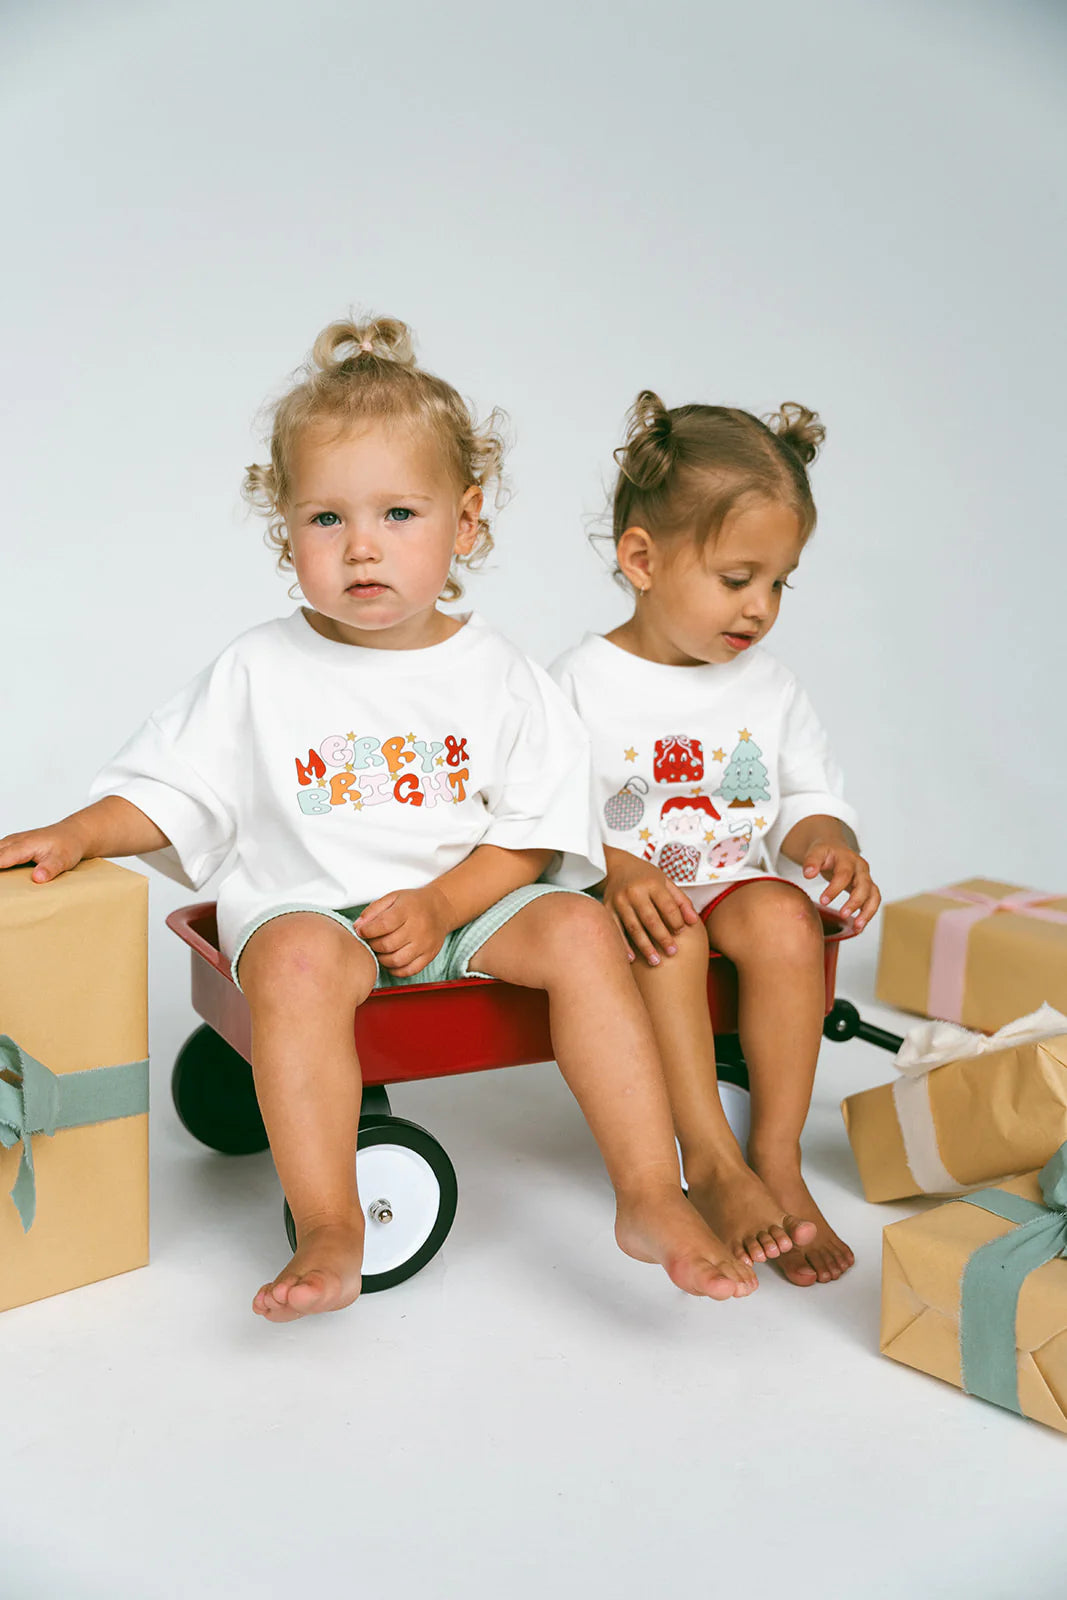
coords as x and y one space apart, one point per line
647 455
799 428
385 338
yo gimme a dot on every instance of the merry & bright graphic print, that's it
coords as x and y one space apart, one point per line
344 769
690 840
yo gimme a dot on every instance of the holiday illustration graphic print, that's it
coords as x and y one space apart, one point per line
366 771
690 839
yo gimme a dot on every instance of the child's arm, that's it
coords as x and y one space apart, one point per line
109 827
645 903
829 846
406 929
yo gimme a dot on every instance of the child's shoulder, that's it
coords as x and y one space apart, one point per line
580 657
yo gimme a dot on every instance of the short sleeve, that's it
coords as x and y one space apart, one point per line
545 800
174 769
810 782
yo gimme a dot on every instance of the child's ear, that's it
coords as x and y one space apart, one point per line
470 511
635 555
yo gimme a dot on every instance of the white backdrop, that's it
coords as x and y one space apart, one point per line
854 206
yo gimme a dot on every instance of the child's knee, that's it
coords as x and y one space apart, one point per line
308 955
577 928
779 923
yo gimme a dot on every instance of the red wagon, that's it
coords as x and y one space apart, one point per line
431 1030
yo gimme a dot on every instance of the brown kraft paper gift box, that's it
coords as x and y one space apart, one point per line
1014 962
993 1115
74 995
923 1260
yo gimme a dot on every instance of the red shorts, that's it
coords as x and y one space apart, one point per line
731 888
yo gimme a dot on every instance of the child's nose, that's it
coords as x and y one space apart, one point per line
362 545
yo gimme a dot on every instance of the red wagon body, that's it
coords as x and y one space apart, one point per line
435 1030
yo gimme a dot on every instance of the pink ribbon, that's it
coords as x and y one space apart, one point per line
948 964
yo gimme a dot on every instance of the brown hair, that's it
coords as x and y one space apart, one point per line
684 470
362 372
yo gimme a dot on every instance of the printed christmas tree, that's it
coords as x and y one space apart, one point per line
744 780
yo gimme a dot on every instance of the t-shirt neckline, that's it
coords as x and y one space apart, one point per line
426 659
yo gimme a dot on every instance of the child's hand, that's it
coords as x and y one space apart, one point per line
846 870
55 850
405 930
647 906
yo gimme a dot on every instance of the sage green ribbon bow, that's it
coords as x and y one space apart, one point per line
34 1099
995 1274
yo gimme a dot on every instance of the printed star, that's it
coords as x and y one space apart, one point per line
440 761
349 767
411 738
709 838
358 802
696 790
455 799
714 876
718 755
322 783
744 735
760 822
645 835
631 754
350 736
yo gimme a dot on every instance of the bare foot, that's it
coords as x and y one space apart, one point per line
323 1275
736 1203
822 1258
660 1225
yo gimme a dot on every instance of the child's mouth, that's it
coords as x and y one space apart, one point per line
739 641
366 591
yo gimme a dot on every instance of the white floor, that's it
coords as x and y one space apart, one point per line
533 1414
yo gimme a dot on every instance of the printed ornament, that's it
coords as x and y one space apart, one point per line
744 780
625 809
680 862
725 853
678 760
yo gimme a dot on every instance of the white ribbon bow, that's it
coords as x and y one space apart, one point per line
934 1044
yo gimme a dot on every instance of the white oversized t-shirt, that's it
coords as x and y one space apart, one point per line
701 770
328 774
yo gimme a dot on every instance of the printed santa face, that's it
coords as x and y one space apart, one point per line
687 816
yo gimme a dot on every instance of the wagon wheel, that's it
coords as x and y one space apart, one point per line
407 1185
215 1097
842 1022
732 1073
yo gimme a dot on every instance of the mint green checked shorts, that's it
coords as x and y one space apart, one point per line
454 958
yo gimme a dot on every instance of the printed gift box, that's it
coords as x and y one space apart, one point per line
73 1079
979 953
974 1292
965 1109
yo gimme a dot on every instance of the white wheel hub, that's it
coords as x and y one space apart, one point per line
401 1200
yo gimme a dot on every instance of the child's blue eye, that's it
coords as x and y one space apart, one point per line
400 513
321 516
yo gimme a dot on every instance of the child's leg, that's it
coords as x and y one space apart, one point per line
303 976
773 935
726 1192
569 946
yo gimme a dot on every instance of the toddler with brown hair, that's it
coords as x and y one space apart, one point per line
710 764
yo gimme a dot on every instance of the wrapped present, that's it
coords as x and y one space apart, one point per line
975 1293
680 862
966 1108
73 1079
678 759
979 952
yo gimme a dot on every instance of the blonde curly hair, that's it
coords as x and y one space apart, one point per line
684 470
366 371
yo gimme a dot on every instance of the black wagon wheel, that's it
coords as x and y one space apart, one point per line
407 1185
215 1097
